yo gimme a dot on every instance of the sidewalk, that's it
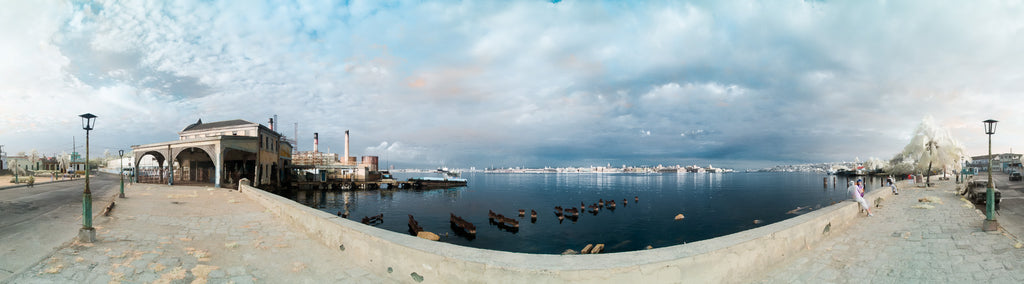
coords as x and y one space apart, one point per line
5 181
185 234
902 244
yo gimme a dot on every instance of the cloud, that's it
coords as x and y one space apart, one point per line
526 81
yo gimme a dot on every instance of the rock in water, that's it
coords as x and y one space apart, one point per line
597 249
428 236
679 217
649 247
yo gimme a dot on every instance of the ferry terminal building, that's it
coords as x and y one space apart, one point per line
219 153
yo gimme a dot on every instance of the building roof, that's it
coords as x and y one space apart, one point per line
199 125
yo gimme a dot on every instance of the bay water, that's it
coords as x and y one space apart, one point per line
712 204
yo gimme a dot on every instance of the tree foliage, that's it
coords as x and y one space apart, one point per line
930 144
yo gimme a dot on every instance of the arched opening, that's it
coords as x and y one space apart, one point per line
195 167
237 165
150 168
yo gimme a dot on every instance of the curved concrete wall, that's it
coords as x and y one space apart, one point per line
738 257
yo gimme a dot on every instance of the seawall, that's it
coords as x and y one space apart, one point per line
738 257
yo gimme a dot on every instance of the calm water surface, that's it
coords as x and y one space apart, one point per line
713 205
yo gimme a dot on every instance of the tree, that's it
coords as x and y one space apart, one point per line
931 145
63 161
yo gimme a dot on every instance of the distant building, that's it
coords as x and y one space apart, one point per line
1000 162
337 167
221 152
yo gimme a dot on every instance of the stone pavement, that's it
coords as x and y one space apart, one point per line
903 244
188 234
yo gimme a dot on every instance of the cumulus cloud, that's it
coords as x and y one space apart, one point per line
524 81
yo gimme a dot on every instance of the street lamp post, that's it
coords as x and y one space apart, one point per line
990 217
87 234
120 172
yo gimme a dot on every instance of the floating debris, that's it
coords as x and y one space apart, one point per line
502 221
797 210
462 225
586 249
414 227
374 220
757 222
679 217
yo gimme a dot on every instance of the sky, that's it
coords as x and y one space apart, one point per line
742 84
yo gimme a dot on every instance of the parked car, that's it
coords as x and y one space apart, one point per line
1016 176
976 189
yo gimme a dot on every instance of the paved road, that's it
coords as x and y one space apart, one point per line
34 221
1011 209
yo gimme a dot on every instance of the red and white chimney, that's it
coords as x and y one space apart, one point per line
316 141
271 123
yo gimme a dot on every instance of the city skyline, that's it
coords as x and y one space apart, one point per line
526 83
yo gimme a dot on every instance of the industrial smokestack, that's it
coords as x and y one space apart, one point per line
316 141
271 123
346 146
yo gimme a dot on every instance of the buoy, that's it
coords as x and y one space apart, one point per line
679 217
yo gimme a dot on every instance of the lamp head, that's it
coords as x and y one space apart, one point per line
990 126
120 152
88 121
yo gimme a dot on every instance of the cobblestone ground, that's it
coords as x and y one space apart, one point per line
904 244
162 234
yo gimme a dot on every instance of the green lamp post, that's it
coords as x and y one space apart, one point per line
990 207
120 172
87 234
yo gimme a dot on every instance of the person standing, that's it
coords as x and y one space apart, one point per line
857 193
